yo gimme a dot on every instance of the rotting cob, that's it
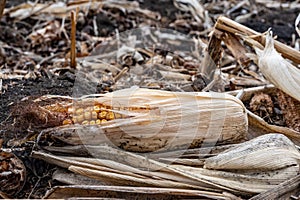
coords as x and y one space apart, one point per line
145 120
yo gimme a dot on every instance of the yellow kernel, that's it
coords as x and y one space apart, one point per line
110 116
92 122
79 118
85 122
74 119
102 114
94 115
97 108
67 121
98 121
87 115
103 121
79 111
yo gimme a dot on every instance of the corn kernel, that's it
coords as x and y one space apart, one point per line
94 115
67 121
79 111
98 121
110 116
74 119
85 122
102 114
103 121
78 118
92 122
97 108
87 115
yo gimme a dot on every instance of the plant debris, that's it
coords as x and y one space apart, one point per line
55 69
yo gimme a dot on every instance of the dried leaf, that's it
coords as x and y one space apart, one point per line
297 21
277 70
12 173
255 155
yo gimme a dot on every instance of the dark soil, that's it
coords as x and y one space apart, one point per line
15 90
277 20
20 89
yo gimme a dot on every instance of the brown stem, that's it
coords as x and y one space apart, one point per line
228 25
2 6
212 57
73 40
236 48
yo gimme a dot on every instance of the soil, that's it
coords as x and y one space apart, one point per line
15 90
277 19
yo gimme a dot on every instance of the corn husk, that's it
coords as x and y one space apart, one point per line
160 120
129 192
278 70
252 167
259 164
254 155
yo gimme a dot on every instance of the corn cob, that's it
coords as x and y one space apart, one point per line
98 114
146 120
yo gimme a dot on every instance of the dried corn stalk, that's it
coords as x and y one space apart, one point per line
277 70
146 120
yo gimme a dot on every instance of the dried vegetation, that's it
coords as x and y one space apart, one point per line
215 115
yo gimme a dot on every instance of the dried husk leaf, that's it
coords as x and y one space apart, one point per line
241 181
161 120
69 178
256 165
278 70
272 160
118 173
267 152
129 180
129 192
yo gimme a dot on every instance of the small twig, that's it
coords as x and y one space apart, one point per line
48 58
120 74
73 40
4 195
31 192
1 85
2 6
95 26
35 12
